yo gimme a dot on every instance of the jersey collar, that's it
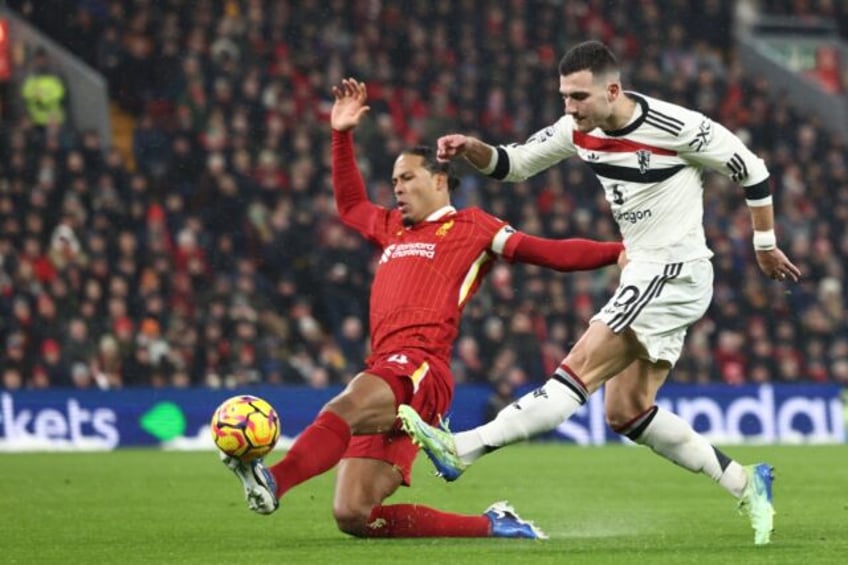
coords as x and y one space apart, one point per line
635 123
440 213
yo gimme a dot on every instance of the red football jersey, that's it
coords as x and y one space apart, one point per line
428 272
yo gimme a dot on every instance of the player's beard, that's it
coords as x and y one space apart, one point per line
584 125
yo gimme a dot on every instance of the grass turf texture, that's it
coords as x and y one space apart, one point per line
599 505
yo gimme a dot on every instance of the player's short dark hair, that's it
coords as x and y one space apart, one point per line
591 56
429 161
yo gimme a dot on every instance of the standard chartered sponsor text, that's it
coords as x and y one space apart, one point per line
427 250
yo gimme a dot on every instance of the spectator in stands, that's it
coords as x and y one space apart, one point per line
12 378
267 135
44 92
58 372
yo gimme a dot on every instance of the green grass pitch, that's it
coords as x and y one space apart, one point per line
600 505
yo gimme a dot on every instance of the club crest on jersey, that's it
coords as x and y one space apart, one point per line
444 229
643 157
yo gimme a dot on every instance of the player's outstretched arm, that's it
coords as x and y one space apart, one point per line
573 254
516 161
352 202
772 261
454 145
714 146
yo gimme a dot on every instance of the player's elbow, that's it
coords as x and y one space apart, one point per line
354 213
345 216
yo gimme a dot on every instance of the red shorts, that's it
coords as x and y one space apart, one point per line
418 379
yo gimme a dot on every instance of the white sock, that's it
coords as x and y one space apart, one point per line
536 412
672 437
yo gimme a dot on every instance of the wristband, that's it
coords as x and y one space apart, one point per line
764 240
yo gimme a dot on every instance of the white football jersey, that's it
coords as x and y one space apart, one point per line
650 171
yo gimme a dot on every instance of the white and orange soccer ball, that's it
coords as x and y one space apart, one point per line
245 427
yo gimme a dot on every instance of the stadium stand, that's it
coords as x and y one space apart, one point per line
212 255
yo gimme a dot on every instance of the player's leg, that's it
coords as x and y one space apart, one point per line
375 465
361 487
602 352
681 296
382 464
597 356
367 405
631 411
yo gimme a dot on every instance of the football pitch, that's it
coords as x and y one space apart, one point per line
599 505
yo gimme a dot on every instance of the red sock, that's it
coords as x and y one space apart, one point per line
414 521
317 449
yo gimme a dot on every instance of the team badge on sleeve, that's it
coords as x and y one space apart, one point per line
541 135
500 239
704 135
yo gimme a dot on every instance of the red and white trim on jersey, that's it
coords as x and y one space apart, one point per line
612 145
468 283
650 171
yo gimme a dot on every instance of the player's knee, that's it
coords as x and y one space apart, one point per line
351 519
623 408
627 419
618 420
620 412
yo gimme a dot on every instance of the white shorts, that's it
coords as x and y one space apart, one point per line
658 302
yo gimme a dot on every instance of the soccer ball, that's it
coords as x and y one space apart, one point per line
245 427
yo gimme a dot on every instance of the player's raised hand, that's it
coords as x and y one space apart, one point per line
349 106
775 265
451 146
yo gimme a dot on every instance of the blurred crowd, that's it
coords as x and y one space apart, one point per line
214 256
834 12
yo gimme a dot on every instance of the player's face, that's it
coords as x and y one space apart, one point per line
418 192
588 99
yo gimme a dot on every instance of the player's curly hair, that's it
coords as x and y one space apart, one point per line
429 162
593 56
